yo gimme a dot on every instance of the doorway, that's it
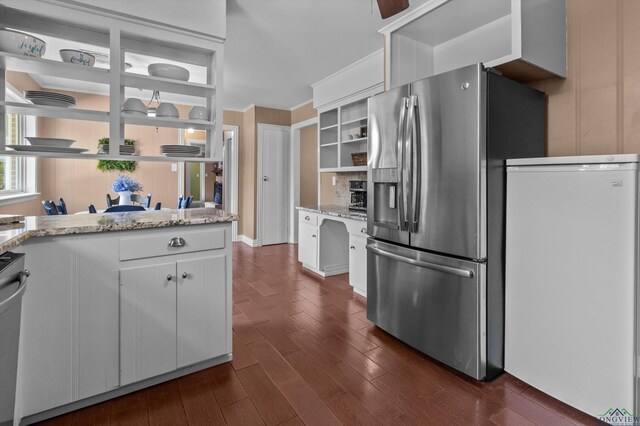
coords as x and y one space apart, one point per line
273 184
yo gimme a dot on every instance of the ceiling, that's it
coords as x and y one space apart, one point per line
276 49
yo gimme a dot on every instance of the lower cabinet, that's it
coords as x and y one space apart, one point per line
171 315
308 245
358 264
92 322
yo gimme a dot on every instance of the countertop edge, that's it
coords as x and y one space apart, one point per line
336 211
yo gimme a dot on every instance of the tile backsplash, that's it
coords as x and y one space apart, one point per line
343 196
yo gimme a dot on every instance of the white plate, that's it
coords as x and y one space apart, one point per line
52 102
31 148
181 154
60 143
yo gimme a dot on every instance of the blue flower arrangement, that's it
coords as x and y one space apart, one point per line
125 183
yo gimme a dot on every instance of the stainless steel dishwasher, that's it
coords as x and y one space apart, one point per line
13 282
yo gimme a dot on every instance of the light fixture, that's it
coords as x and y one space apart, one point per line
151 110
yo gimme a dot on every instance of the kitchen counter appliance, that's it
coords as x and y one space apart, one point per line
572 280
13 281
436 183
358 189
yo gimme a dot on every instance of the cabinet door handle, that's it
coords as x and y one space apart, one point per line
352 247
177 242
185 275
363 230
169 277
313 236
307 218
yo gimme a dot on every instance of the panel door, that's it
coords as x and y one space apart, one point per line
274 148
202 316
358 264
308 245
147 321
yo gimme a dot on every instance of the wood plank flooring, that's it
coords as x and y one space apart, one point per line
305 353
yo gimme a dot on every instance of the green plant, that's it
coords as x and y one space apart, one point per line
110 165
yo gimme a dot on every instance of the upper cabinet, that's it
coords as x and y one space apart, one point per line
524 39
117 41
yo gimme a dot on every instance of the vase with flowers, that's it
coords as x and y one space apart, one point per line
125 186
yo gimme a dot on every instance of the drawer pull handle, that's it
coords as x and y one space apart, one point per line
169 277
363 230
177 242
185 275
352 247
313 236
307 218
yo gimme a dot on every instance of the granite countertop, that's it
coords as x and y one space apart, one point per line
336 210
42 226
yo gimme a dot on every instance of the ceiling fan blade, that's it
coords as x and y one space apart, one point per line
391 7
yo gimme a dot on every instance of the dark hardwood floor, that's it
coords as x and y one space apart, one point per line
305 353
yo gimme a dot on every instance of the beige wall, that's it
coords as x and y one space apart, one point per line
304 112
596 110
309 166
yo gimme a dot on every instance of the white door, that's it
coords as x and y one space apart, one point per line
147 321
202 315
308 245
358 264
273 179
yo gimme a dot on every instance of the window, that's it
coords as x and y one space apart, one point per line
12 168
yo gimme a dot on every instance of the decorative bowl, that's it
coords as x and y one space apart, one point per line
166 109
21 43
171 71
59 143
134 105
198 113
78 57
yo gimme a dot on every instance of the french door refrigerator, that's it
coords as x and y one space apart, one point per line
436 185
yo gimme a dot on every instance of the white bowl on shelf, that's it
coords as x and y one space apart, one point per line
58 143
171 71
21 43
134 105
167 110
77 57
198 113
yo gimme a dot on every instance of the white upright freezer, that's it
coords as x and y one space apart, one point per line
572 277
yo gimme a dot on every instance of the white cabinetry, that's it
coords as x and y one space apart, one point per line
525 39
89 314
330 245
120 40
343 131
171 315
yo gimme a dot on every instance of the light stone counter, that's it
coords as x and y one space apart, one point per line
42 226
337 211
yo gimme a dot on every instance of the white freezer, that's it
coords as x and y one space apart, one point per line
571 267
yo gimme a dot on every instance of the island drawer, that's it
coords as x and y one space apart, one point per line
171 242
308 217
356 227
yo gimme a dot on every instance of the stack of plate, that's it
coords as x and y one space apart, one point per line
50 98
180 150
48 145
124 149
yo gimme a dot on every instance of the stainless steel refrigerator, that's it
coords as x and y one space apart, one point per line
436 185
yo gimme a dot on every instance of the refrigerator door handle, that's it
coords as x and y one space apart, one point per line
465 273
414 158
402 206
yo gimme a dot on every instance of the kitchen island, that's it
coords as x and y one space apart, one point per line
333 240
117 302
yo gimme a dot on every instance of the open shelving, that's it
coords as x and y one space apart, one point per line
342 132
121 39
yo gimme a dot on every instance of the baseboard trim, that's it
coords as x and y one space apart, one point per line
335 269
248 241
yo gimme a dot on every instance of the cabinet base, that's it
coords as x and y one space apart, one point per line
329 270
34 418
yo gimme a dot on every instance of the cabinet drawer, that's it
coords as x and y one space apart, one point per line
308 217
157 244
357 227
